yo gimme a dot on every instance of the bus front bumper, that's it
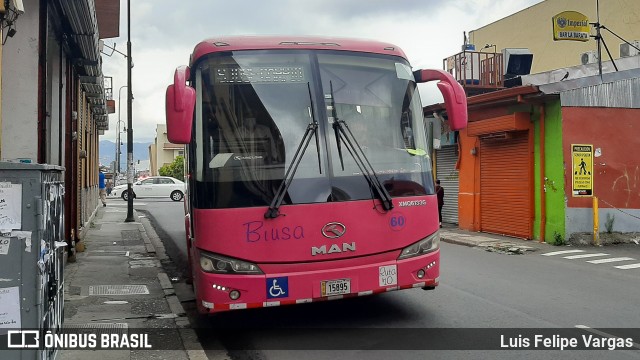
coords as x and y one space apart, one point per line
216 292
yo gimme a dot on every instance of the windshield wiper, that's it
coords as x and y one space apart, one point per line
358 155
312 129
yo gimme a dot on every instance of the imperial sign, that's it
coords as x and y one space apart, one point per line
570 25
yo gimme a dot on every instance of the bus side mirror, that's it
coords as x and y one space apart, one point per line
180 103
455 100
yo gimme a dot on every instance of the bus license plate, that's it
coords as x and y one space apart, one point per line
335 287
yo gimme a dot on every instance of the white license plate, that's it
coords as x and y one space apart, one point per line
335 287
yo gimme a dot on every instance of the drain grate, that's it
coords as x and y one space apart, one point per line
118 290
97 328
105 326
108 253
130 235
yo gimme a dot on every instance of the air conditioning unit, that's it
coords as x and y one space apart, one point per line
589 57
627 50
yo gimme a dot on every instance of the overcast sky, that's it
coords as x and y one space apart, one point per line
164 33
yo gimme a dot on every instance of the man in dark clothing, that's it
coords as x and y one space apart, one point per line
440 194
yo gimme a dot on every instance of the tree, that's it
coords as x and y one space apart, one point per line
175 169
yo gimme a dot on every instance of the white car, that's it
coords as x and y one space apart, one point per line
155 186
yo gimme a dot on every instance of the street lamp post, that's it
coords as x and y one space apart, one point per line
119 144
118 128
129 122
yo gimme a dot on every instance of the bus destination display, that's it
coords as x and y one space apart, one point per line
267 74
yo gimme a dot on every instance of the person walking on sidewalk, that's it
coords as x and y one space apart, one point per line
440 194
103 189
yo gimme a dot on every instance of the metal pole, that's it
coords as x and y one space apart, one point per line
596 222
599 38
116 163
118 127
129 122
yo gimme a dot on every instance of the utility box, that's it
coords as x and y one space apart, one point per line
32 249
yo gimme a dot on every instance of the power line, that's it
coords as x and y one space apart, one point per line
626 213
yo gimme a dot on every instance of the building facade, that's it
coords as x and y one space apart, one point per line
516 167
531 28
54 99
512 170
162 152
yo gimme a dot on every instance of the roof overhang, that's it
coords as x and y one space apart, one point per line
506 97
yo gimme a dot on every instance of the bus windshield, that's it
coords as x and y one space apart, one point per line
252 111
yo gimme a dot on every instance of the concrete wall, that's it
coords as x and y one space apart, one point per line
532 28
161 139
153 164
553 172
55 154
582 220
20 88
616 172
469 184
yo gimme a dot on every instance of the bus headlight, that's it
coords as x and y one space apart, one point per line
429 244
214 263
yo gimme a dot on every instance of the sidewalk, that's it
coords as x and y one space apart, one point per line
451 234
118 283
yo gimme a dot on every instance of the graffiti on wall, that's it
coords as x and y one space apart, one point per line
627 183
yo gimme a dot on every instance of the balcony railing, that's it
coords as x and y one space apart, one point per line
476 71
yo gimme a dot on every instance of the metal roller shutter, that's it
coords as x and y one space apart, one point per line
446 159
505 186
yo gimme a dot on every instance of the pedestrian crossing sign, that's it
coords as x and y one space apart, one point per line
582 170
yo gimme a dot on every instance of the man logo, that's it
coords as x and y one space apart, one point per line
333 230
322 250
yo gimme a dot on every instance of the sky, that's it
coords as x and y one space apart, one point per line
164 33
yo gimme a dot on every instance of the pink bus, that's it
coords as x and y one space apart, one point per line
309 170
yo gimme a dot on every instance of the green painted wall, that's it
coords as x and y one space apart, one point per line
554 172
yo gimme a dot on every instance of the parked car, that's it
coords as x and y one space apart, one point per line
155 186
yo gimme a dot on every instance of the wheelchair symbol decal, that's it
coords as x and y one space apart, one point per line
277 287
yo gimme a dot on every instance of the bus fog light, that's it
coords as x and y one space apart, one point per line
234 294
420 274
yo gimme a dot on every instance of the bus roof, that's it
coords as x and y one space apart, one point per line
233 43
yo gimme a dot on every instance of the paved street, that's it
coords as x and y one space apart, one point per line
478 289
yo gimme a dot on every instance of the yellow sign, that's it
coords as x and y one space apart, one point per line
582 169
570 25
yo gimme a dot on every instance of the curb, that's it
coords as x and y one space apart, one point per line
188 336
499 244
457 242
